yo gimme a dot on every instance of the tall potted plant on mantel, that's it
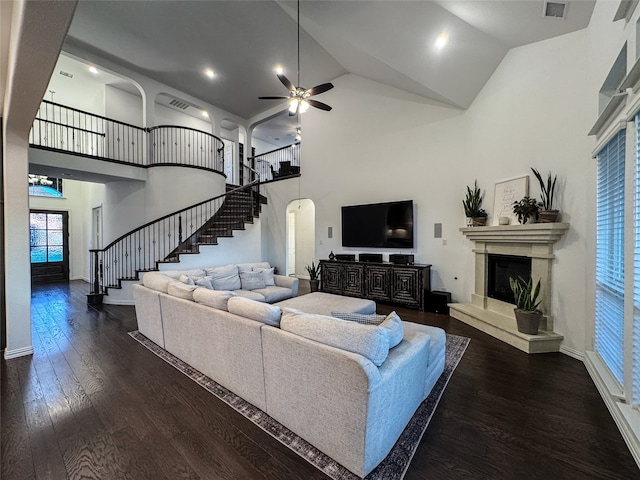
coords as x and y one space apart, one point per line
476 215
314 276
528 316
547 213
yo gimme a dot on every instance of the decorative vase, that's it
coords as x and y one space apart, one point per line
332 256
315 284
528 322
548 216
479 221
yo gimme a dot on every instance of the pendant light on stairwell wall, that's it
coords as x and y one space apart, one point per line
298 98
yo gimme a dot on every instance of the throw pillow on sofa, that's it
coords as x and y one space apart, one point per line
261 312
204 282
181 290
213 298
391 322
251 280
186 279
267 276
369 341
225 277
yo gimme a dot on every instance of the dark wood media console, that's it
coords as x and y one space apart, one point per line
386 282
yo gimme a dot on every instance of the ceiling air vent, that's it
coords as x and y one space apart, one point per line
178 104
555 9
66 74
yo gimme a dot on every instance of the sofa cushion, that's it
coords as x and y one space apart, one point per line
194 272
252 267
225 277
213 298
369 341
261 312
180 290
267 276
251 280
274 294
391 322
157 281
251 295
204 282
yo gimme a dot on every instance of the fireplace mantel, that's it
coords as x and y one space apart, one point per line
496 317
538 233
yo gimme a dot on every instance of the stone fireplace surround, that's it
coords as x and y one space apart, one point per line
496 317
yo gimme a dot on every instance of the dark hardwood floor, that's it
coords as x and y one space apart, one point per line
93 403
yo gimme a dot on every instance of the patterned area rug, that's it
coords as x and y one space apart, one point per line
393 467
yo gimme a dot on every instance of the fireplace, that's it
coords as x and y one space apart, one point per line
499 269
501 251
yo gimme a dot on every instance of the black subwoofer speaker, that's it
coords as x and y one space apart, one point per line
437 302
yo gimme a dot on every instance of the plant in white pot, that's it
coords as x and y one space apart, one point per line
314 276
528 316
547 213
476 215
525 209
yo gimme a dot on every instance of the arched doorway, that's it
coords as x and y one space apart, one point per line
301 236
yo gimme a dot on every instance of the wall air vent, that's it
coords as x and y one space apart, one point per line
555 9
178 104
66 74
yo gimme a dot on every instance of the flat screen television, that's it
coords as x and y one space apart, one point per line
378 225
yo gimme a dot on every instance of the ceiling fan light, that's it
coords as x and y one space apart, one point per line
293 105
304 106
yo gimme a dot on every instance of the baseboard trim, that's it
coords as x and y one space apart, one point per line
107 301
572 352
18 352
627 419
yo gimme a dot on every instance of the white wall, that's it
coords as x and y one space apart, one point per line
305 234
123 106
382 144
169 116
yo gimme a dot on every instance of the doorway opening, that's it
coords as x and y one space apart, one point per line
301 236
49 237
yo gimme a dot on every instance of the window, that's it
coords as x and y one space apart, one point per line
609 331
47 234
43 186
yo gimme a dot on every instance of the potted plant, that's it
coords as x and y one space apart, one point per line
476 215
528 316
547 213
526 208
314 275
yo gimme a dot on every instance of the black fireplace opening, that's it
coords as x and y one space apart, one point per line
501 267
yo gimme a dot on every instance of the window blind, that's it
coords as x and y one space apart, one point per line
635 387
609 331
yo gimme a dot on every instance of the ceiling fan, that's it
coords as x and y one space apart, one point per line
299 100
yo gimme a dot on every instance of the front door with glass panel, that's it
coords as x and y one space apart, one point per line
49 252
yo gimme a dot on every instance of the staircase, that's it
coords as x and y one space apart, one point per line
240 207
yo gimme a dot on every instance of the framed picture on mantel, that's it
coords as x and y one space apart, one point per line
507 192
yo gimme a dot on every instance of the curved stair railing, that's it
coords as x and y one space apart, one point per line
164 239
171 145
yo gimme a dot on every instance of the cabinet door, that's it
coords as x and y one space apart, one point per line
331 278
377 283
406 286
353 280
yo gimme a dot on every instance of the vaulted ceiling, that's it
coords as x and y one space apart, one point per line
391 42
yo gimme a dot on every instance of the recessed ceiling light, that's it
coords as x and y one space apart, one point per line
209 73
442 40
279 70
205 113
93 69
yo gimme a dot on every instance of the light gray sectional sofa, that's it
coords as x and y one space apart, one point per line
344 387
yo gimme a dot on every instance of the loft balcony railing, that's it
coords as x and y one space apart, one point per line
69 130
277 164
143 248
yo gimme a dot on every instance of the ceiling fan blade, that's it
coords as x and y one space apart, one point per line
273 98
320 105
318 89
286 82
